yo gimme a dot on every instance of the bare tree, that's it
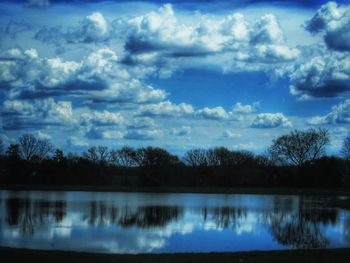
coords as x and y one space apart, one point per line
300 147
219 156
155 156
103 154
196 157
43 148
224 156
13 151
58 156
99 154
345 151
32 148
91 154
262 160
28 146
125 157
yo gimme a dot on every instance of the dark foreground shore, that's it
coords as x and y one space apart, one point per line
289 256
203 190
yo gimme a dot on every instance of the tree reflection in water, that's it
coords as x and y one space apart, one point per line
292 222
346 229
301 228
143 217
225 217
27 215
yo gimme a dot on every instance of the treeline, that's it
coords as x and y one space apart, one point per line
297 159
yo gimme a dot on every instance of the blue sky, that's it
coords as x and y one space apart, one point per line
175 74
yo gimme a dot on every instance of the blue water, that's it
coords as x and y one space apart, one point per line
161 223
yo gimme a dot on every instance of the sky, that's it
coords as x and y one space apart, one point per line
173 74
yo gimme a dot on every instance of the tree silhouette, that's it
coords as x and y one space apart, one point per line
28 146
124 157
13 152
300 147
58 156
196 157
154 156
33 148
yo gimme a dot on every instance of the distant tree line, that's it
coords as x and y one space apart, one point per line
297 159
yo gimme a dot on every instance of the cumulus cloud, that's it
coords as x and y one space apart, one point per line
93 28
18 114
101 118
271 120
266 43
268 54
333 21
141 123
339 114
231 134
44 136
161 31
267 31
240 108
162 38
216 113
169 109
98 77
76 142
166 108
323 76
182 131
96 133
143 134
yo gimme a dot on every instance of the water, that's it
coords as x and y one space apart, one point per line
160 223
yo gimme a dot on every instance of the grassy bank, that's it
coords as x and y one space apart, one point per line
295 256
205 190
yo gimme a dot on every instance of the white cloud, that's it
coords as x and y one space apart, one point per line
240 108
231 134
339 114
75 141
98 133
322 76
268 54
267 31
164 32
162 41
37 113
166 108
143 134
216 113
101 118
333 21
43 135
141 123
182 131
98 77
271 120
92 28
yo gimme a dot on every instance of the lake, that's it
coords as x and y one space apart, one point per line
162 223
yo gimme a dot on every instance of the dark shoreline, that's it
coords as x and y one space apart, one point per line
203 190
288 256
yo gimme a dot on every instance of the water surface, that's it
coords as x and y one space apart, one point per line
160 223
